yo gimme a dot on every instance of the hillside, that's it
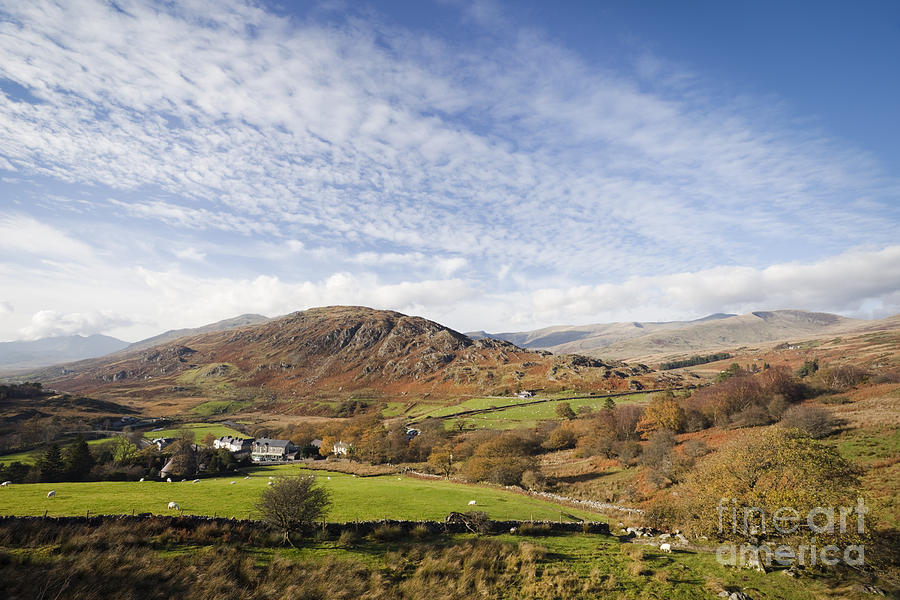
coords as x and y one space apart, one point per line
17 356
174 334
635 340
336 353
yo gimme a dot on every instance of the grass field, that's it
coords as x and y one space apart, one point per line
200 430
516 416
353 498
29 457
220 407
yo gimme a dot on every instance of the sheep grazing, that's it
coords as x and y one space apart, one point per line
513 530
271 483
168 480
141 479
472 503
247 477
665 547
174 506
196 481
51 493
5 484
232 483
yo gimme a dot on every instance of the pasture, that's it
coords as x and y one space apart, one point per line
521 414
362 498
198 429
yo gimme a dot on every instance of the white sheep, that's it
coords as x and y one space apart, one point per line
5 484
168 480
232 483
174 506
51 493
247 477
141 479
196 481
665 547
472 503
271 483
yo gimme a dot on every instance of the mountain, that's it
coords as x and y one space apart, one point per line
589 337
636 340
336 352
174 334
17 356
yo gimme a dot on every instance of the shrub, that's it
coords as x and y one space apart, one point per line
535 529
348 539
814 421
387 533
292 504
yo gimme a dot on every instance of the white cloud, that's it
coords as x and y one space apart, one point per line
846 283
6 308
51 323
362 134
21 234
190 253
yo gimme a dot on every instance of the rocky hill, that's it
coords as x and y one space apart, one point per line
339 352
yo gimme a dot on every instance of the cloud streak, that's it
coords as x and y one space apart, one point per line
300 161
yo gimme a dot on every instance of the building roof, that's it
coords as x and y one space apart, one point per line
272 443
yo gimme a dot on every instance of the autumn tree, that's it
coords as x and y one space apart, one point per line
766 471
441 460
564 411
663 412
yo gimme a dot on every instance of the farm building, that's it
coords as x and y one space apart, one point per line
266 450
341 449
233 444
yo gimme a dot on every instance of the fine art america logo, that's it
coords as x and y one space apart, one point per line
752 523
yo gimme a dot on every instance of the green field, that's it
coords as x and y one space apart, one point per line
527 416
220 407
29 457
353 498
200 430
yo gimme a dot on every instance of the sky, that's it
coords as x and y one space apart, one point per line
489 165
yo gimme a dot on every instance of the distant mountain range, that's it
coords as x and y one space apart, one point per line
644 340
16 356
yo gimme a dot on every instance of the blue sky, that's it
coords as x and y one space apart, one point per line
489 165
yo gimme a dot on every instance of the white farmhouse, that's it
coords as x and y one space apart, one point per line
232 444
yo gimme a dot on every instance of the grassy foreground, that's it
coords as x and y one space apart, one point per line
353 498
158 559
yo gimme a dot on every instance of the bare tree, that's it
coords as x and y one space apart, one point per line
293 504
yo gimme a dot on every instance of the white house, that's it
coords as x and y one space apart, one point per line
266 450
232 444
341 449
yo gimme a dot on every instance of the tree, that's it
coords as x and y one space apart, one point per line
208 440
609 404
564 411
78 460
327 446
441 460
124 452
814 421
766 470
663 412
293 504
51 465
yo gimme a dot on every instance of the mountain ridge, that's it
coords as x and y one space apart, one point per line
640 340
337 352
